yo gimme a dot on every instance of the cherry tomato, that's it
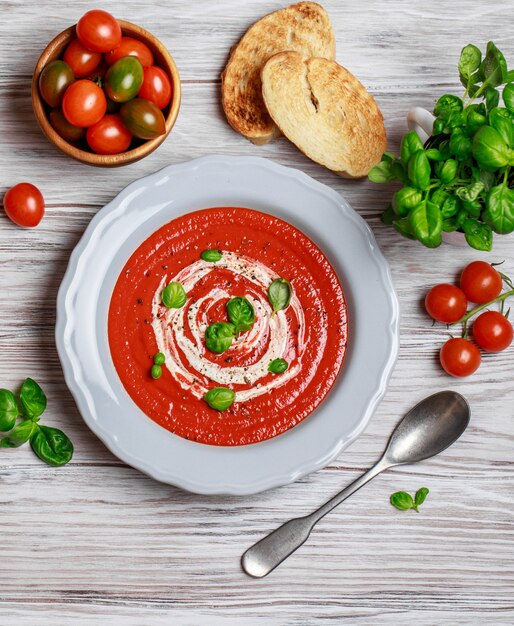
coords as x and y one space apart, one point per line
24 205
63 127
492 331
130 47
99 31
156 86
81 60
124 79
480 282
108 136
446 303
143 119
84 103
459 357
55 78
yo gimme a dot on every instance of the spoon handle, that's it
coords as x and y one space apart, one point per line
261 558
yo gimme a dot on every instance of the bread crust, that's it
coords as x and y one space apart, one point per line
303 27
325 111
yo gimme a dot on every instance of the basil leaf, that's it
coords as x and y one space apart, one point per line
220 398
279 294
502 120
278 366
427 224
449 225
159 358
52 446
212 256
470 192
420 496
474 120
448 104
8 410
419 170
411 143
174 296
472 207
489 149
439 196
433 154
19 435
508 96
219 336
478 235
460 145
488 178
33 399
404 227
156 371
406 199
388 216
499 213
446 171
381 173
241 314
402 500
450 207
494 67
469 62
492 97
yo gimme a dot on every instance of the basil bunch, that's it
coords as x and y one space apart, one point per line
50 444
461 179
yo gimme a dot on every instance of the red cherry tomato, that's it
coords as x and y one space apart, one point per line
156 86
24 205
99 31
446 303
63 127
480 282
108 136
130 47
459 357
84 103
81 60
492 331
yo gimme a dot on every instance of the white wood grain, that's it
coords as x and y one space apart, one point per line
96 542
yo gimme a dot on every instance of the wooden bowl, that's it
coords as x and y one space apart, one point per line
162 57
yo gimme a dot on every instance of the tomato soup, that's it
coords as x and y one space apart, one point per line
274 365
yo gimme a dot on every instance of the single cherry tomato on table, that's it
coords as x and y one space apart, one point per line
156 86
143 119
108 136
124 79
446 303
81 60
481 282
63 127
54 79
24 205
84 103
130 47
459 357
99 31
492 331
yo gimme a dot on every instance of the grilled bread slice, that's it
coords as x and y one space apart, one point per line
303 27
325 111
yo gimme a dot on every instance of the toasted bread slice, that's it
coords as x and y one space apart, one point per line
325 111
303 27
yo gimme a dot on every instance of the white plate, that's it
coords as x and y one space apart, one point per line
138 211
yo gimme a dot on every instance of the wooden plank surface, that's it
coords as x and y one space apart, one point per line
97 542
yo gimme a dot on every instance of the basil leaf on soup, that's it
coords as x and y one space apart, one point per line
174 296
19 435
8 410
241 314
212 256
219 336
279 294
220 398
51 445
278 366
33 399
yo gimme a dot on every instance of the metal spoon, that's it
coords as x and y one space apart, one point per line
427 429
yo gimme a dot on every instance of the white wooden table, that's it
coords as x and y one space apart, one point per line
96 542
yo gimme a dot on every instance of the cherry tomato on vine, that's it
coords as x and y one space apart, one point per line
480 282
63 127
84 103
156 86
99 31
130 47
81 60
446 303
124 79
24 205
55 78
143 119
492 331
108 136
459 357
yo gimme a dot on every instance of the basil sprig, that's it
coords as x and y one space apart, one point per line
278 366
279 294
219 336
50 444
403 501
241 313
212 256
220 398
174 296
